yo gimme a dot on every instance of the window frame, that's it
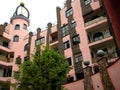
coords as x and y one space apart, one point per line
76 39
66 44
65 30
40 40
69 12
69 60
17 27
16 38
24 26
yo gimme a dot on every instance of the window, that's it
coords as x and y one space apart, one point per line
69 12
17 27
40 41
75 39
73 24
65 30
87 2
69 61
66 45
25 26
98 36
26 47
78 58
15 38
5 44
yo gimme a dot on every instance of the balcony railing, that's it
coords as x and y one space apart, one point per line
5 59
111 57
94 21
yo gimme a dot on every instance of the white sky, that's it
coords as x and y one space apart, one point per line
41 11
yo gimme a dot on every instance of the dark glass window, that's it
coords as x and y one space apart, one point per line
73 24
40 41
66 44
15 38
69 12
17 27
26 47
69 61
98 36
5 44
76 39
65 30
25 26
78 58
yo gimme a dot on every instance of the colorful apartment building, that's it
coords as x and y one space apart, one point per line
82 30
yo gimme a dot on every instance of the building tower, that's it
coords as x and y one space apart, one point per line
18 32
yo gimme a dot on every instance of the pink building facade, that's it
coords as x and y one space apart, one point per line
82 29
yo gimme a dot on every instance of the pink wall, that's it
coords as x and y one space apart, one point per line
97 83
113 9
114 72
78 85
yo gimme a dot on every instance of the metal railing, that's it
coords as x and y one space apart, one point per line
5 59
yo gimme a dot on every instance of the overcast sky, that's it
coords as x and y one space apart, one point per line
41 11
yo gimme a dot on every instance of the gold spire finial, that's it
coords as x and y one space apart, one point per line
21 4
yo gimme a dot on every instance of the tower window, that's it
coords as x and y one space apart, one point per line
25 26
17 27
66 44
69 12
16 38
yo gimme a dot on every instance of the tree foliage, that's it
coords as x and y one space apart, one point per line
46 72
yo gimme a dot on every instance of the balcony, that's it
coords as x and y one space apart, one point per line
92 44
5 59
111 58
94 21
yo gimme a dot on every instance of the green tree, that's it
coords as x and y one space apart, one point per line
46 72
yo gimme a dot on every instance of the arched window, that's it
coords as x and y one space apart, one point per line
24 26
98 36
17 27
16 38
